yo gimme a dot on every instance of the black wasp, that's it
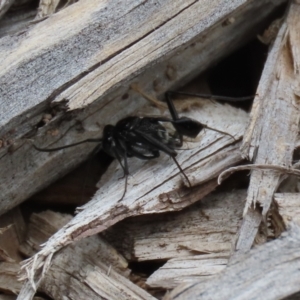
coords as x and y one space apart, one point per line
145 137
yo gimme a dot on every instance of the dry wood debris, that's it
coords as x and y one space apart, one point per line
270 272
209 226
97 269
100 67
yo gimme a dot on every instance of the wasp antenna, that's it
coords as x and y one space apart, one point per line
171 106
215 97
220 131
67 146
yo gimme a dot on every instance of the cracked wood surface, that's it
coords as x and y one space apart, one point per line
89 269
89 62
273 130
209 226
270 271
183 270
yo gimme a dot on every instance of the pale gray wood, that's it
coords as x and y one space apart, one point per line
268 272
87 55
273 130
209 226
190 269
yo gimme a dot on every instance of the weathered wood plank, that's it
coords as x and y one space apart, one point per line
92 59
188 270
270 271
209 226
273 130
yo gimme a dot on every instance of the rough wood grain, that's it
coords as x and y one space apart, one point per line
288 207
93 52
90 269
208 226
273 130
41 227
270 271
197 268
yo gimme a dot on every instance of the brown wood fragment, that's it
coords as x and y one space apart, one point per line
13 234
114 286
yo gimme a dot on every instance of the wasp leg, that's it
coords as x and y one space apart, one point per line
67 146
213 97
188 127
160 146
125 170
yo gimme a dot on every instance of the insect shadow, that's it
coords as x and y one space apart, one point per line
146 137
